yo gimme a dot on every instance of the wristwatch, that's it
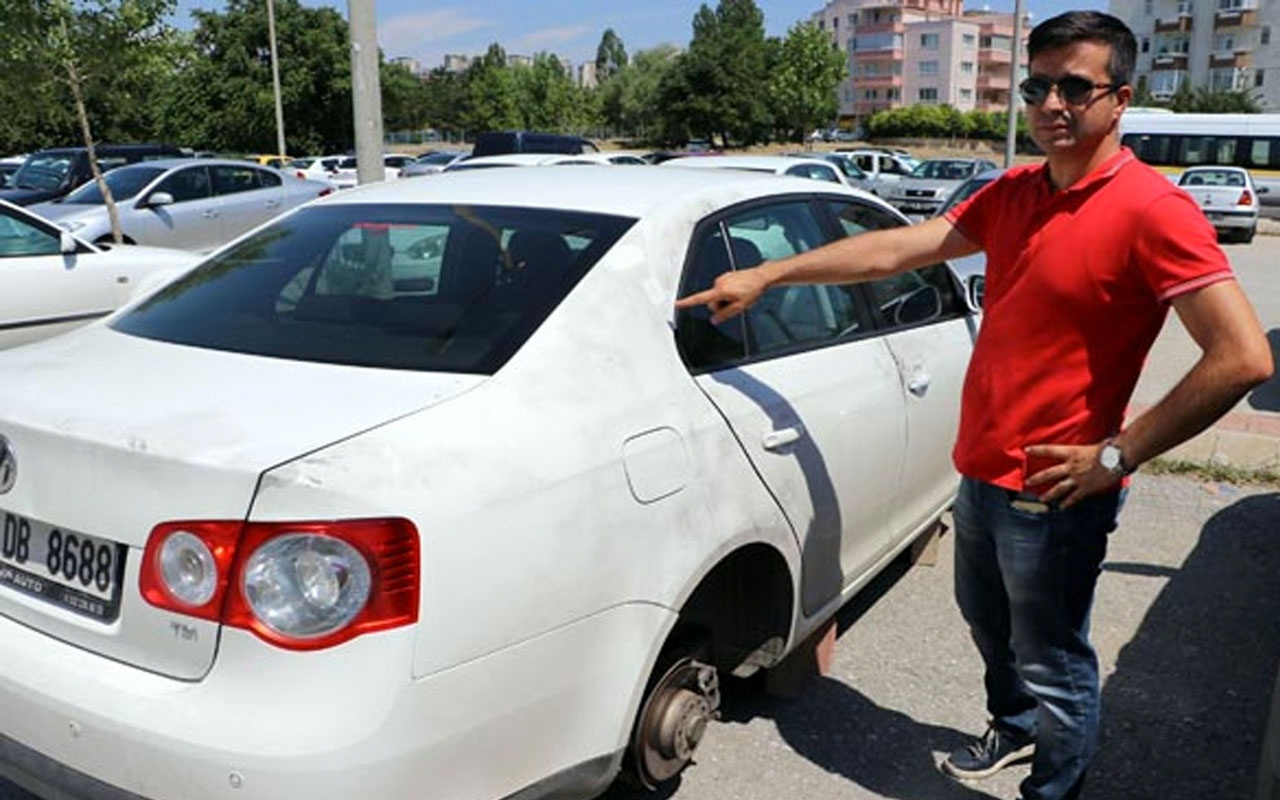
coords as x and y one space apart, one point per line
1112 459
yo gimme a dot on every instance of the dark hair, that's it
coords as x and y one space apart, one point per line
1089 26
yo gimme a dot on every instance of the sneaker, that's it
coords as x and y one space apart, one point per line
987 756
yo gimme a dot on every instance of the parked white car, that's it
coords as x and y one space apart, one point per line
317 168
427 487
814 168
345 175
189 203
884 167
51 281
1228 197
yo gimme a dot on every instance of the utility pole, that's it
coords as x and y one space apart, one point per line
1015 70
275 78
366 90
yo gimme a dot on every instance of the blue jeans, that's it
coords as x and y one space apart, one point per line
1024 583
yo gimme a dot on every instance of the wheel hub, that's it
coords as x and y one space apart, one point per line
675 717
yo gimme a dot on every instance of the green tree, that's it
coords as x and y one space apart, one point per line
545 95
611 56
101 52
446 102
492 100
804 80
630 103
404 98
720 86
221 95
1214 101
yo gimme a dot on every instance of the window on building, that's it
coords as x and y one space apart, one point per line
896 94
969 40
853 19
1148 7
1265 35
835 23
928 94
1224 43
1257 78
1146 44
929 68
966 95
929 41
1186 8
1226 80
966 67
1233 5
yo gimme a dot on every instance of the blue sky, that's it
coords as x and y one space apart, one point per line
569 28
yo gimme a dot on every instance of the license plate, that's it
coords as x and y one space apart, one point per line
1212 215
71 570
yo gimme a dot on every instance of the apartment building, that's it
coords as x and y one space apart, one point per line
1218 44
904 52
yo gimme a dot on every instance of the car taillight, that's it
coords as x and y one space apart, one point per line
300 174
301 586
325 191
1246 198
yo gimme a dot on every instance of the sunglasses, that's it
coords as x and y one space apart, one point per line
1073 89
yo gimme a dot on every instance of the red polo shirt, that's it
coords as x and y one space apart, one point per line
1078 286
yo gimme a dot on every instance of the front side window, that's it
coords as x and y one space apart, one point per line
187 184
20 236
125 183
416 287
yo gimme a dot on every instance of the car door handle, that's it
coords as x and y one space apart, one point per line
774 440
919 382
273 204
210 214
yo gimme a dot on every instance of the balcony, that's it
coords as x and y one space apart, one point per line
1238 59
879 82
1178 24
1165 61
1236 18
992 55
993 83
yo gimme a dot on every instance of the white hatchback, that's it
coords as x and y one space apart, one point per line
426 489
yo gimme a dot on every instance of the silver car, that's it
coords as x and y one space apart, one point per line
433 162
927 187
192 204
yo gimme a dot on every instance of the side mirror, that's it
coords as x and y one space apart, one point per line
976 290
67 243
921 305
158 199
1264 190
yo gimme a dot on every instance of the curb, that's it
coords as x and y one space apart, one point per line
1243 439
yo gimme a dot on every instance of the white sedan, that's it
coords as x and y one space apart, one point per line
427 488
51 282
194 204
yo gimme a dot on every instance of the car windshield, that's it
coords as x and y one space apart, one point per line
43 171
125 182
943 169
966 190
415 287
1212 177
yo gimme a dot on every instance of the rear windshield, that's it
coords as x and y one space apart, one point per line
423 287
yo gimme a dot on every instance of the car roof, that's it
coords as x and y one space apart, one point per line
527 160
171 163
629 192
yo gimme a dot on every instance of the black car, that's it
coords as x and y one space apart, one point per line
494 143
54 172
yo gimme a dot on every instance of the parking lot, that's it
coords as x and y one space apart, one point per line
1184 625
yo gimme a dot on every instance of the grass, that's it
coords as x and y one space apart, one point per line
1210 471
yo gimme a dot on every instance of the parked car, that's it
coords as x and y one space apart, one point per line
815 168
528 160
883 167
193 204
853 175
51 281
49 174
319 168
346 174
270 159
926 188
405 500
1228 197
494 143
432 163
8 166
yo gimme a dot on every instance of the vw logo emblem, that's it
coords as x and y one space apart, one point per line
8 465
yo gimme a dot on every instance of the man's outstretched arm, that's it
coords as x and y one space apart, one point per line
855 258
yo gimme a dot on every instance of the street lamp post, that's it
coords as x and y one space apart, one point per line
275 78
366 90
1011 137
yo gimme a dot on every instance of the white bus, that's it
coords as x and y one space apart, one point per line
1173 142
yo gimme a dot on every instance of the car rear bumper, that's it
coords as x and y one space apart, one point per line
1232 220
348 722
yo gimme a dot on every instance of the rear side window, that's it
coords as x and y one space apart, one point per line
421 287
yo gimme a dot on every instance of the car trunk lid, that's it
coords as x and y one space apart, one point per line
107 435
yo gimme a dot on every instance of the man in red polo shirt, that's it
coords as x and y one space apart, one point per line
1085 254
